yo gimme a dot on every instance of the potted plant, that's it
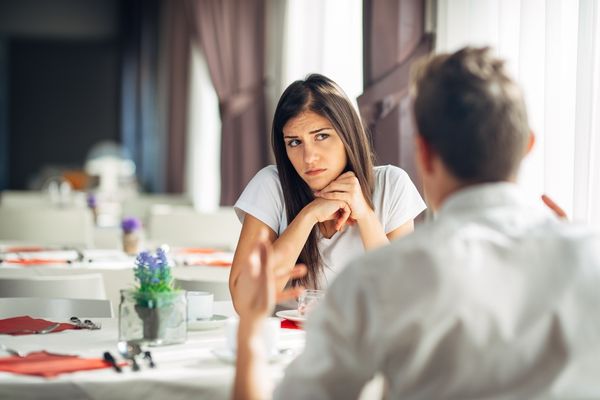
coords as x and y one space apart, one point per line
160 308
131 228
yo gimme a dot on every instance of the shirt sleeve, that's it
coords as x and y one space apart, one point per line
402 201
335 363
263 199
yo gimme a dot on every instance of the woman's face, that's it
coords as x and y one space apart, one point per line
314 149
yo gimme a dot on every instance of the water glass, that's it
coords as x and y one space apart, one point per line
309 300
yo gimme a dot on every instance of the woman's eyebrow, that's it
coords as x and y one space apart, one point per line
310 133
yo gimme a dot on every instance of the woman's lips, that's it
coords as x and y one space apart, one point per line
314 172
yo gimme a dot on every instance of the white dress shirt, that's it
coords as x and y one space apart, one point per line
495 299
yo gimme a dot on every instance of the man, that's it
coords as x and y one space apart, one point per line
496 298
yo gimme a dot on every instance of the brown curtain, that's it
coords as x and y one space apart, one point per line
393 39
231 34
178 56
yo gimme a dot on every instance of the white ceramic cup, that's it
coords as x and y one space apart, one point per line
199 305
269 333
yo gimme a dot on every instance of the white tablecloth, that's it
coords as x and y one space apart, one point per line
185 371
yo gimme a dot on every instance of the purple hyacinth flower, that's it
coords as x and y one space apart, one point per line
130 224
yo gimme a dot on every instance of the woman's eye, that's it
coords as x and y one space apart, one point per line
321 136
293 143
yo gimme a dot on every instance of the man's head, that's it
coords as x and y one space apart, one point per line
471 121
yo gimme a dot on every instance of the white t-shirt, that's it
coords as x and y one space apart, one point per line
395 198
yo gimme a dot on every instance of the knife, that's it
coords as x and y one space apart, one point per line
110 359
148 357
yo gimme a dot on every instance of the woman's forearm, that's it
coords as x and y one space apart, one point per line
289 245
371 232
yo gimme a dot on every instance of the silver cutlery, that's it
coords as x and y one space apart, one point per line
85 324
148 357
111 360
129 350
47 329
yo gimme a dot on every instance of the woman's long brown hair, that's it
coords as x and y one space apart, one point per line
322 96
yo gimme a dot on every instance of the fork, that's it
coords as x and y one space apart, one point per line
47 329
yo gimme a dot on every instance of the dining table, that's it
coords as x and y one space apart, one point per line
190 370
116 268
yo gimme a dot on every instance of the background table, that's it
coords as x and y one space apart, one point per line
116 276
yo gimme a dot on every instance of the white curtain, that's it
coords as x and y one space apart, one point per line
552 48
324 36
203 161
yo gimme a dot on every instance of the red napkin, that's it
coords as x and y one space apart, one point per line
287 324
36 261
18 323
211 263
24 249
48 365
192 250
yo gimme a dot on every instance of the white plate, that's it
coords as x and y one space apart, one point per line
292 315
216 321
228 356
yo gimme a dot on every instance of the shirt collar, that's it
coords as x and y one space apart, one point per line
484 195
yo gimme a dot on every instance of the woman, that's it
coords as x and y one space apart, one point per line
339 205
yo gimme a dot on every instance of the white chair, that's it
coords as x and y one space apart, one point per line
183 226
140 206
54 308
79 286
69 226
24 198
220 290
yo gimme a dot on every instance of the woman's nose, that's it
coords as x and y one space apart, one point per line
310 154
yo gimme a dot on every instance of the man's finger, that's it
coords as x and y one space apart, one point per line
299 271
289 294
554 207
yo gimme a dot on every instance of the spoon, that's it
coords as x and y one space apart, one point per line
129 350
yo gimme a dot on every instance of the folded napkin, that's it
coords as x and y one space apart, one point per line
54 255
193 250
36 261
48 365
217 259
27 323
287 324
18 249
211 263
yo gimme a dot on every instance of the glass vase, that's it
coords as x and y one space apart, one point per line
155 319
132 242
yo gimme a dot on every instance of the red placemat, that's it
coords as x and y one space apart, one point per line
211 263
9 325
36 261
287 324
48 365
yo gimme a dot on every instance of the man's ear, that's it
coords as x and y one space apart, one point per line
424 153
530 143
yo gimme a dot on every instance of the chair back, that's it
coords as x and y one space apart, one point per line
54 307
220 290
78 286
46 225
184 226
